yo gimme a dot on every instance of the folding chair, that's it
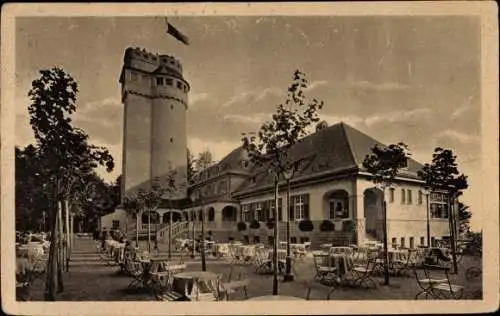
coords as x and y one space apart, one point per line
323 271
232 286
363 274
401 266
440 288
135 270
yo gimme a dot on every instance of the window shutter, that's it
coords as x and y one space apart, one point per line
280 215
306 206
291 208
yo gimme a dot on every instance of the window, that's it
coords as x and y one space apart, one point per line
259 212
403 197
420 197
404 164
391 195
159 81
211 215
246 213
171 106
169 81
433 242
402 242
179 85
116 224
271 202
338 208
293 240
270 240
409 196
412 242
438 205
256 239
422 241
298 207
304 239
393 242
171 140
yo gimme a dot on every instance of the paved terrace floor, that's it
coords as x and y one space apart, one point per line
89 279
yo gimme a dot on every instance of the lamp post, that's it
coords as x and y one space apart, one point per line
384 227
193 198
288 174
426 192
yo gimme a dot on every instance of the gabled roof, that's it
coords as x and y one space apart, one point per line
337 149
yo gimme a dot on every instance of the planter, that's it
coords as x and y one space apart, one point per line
306 226
327 226
348 226
254 224
270 224
241 226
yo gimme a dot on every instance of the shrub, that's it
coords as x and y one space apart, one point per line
348 226
327 226
270 224
254 224
306 225
241 226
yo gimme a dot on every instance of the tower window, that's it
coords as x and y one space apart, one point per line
169 81
179 85
171 106
159 81
171 139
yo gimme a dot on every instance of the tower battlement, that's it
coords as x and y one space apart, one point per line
143 60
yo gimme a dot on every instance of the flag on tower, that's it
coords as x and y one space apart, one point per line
176 33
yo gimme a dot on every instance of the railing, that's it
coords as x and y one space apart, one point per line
154 227
177 229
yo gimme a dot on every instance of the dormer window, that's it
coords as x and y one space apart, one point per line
169 81
179 85
159 81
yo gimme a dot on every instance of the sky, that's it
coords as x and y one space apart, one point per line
410 79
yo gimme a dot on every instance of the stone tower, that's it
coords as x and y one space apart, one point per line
155 98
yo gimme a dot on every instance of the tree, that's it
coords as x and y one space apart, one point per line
270 146
464 215
67 155
133 206
384 164
190 166
204 160
442 174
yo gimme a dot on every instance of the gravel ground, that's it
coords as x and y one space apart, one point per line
89 279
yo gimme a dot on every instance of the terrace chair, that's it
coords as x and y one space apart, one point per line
232 286
135 270
261 263
323 272
401 267
439 288
363 273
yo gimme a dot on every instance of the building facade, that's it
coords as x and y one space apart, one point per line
329 184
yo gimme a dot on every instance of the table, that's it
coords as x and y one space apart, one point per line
222 249
276 298
298 249
347 250
342 262
196 284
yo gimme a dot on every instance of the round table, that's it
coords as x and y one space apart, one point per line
276 298
194 283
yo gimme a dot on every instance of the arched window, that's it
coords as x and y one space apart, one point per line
211 214
200 215
155 217
176 217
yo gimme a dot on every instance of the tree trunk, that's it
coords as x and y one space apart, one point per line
137 230
275 234
67 244
60 285
51 278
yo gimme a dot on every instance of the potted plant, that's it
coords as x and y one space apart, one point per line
348 226
254 224
306 225
241 226
270 223
327 226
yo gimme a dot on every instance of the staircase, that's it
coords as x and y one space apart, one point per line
336 238
179 229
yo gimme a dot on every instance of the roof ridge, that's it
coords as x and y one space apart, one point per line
348 141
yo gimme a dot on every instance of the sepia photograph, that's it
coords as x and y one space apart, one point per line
191 158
